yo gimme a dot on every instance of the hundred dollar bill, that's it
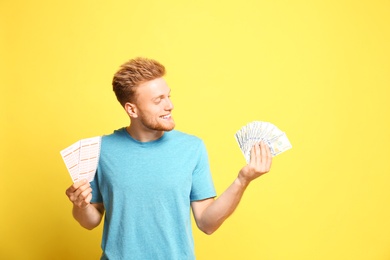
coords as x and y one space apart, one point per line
279 144
257 131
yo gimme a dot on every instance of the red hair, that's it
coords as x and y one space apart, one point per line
133 73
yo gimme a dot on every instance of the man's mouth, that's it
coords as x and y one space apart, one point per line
166 116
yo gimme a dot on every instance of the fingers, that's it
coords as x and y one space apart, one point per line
265 152
261 157
75 186
266 156
259 163
253 157
80 193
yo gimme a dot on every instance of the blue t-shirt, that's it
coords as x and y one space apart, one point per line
146 188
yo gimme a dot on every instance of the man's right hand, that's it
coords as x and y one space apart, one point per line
80 194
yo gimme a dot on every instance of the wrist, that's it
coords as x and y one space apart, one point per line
81 207
242 181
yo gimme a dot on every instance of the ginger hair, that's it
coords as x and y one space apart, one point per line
133 73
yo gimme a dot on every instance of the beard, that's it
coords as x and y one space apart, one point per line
159 124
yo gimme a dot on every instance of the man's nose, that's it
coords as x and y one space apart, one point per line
169 105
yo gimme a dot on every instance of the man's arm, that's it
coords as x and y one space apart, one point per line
209 214
87 214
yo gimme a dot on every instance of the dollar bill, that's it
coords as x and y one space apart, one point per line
256 131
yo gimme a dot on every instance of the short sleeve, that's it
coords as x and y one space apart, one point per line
96 195
202 183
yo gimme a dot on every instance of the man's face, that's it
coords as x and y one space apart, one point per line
154 105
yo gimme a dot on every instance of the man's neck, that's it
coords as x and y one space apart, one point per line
144 135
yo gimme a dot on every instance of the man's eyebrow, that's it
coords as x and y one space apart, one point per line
162 95
157 97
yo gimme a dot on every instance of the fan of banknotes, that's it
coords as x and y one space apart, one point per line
257 131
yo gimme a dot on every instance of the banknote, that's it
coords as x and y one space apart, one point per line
257 131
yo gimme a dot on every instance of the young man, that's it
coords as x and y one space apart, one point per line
149 176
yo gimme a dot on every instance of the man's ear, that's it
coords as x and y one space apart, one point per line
131 110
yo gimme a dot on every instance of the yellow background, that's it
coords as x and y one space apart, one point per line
319 70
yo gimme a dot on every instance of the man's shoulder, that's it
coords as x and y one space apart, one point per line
184 136
115 133
116 136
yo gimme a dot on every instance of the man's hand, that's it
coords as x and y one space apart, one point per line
80 194
259 164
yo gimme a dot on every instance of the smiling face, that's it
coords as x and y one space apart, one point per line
151 110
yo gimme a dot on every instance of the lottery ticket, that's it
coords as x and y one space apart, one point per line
81 158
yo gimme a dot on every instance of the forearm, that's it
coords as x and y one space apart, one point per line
218 211
89 217
210 214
